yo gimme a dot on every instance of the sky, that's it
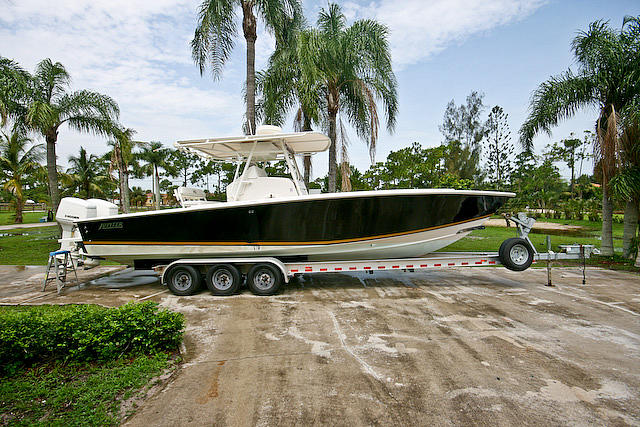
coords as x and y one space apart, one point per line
137 52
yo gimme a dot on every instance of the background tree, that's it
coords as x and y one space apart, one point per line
463 132
154 157
607 78
215 34
283 87
51 105
570 152
352 67
18 160
85 174
183 164
15 85
138 196
122 157
626 184
499 146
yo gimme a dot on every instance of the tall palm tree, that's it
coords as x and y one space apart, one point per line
121 157
216 30
14 90
51 105
352 67
283 86
17 160
607 77
155 156
84 173
626 184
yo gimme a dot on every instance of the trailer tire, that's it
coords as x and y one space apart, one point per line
516 254
223 279
264 279
183 280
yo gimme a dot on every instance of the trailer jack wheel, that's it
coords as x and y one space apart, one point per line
223 279
516 254
264 279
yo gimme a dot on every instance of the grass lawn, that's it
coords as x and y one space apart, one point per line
28 246
57 394
6 218
489 240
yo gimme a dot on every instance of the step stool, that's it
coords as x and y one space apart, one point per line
60 269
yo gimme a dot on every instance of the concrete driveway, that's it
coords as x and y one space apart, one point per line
462 346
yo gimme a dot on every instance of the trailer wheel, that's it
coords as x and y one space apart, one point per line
223 279
264 279
516 254
183 280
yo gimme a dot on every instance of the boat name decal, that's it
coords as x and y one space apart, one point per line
115 225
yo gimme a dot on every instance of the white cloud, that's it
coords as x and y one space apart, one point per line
420 28
134 51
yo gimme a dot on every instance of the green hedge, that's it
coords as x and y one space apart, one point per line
85 332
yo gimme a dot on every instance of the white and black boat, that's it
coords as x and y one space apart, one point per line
276 217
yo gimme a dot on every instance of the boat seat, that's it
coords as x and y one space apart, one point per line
188 197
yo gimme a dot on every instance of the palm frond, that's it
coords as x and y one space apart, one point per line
555 100
214 37
51 79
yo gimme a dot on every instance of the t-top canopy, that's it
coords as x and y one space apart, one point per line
270 140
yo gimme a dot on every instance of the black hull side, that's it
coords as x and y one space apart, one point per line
316 221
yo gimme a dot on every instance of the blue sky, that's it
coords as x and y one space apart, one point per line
138 53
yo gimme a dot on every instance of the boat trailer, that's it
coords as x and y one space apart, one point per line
266 274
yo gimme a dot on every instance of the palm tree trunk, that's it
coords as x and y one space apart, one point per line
120 195
607 224
637 263
332 152
126 202
306 160
249 28
52 171
156 181
19 205
630 226
333 106
124 181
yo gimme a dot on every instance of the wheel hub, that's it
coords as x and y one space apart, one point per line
263 280
222 280
182 281
519 254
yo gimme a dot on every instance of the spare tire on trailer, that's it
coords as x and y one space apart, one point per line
264 279
183 280
516 254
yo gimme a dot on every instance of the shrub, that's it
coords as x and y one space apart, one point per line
85 332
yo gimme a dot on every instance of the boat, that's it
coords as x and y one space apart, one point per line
278 217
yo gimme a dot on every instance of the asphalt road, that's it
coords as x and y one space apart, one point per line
481 346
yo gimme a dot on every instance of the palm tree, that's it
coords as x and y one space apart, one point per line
122 156
626 184
215 34
155 156
51 105
14 90
282 86
607 77
352 68
84 174
17 160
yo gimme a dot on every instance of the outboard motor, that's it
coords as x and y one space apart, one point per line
73 209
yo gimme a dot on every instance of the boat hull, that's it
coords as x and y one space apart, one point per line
369 226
